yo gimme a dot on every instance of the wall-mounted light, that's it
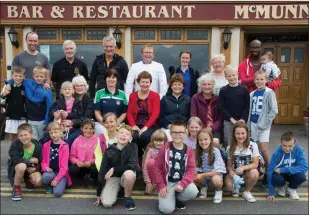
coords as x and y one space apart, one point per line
117 35
13 36
226 37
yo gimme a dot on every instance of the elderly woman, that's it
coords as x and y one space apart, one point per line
143 111
110 100
218 64
189 74
205 105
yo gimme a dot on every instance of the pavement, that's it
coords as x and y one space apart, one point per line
80 200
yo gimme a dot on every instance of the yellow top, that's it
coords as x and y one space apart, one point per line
98 155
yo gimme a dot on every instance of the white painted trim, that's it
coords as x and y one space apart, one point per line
110 31
215 41
25 31
8 50
128 46
235 43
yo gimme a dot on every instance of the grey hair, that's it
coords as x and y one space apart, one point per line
109 38
80 78
204 78
67 42
220 56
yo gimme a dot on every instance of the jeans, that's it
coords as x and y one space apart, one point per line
58 190
278 180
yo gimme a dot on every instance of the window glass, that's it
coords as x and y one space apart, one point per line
285 55
197 35
170 35
299 55
144 34
47 34
72 34
96 34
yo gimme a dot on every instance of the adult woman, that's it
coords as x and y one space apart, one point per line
143 111
109 100
205 105
189 74
218 64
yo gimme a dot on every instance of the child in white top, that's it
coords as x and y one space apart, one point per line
268 65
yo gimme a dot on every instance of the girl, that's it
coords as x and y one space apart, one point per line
243 160
194 126
158 138
82 153
55 159
211 166
66 109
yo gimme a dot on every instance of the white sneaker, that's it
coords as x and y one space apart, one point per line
203 193
282 190
248 196
235 192
218 196
292 193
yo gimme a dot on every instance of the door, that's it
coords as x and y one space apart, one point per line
2 62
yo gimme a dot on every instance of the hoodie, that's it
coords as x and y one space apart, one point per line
288 163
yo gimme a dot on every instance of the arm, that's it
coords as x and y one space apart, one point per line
98 116
78 114
273 107
274 161
162 81
222 106
245 114
49 102
190 170
130 164
163 122
130 82
131 106
216 126
301 165
155 110
242 73
45 158
193 106
159 169
16 155
48 73
122 118
63 163
253 165
124 70
274 84
93 79
219 165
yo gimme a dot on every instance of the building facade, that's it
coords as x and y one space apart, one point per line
171 28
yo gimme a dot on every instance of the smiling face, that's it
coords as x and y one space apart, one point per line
144 84
177 87
240 135
260 81
124 136
110 123
88 131
158 143
18 78
207 87
67 91
69 50
217 64
288 146
185 59
255 48
55 134
109 48
232 76
111 81
194 128
148 54
32 41
204 140
25 137
80 88
39 77
178 134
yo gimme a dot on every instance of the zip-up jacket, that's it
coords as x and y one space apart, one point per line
87 111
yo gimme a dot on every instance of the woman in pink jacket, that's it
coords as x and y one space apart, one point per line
55 159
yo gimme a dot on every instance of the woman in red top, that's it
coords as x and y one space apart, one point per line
143 111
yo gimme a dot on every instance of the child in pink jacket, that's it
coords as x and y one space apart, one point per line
55 159
175 171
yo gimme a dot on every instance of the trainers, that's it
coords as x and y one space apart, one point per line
49 189
218 196
180 205
29 185
16 193
235 192
129 203
120 193
292 193
203 193
282 190
248 196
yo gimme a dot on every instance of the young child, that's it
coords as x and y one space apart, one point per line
211 166
287 168
263 109
65 110
55 161
243 160
38 101
175 171
158 139
233 102
82 155
118 170
194 126
24 163
268 65
13 97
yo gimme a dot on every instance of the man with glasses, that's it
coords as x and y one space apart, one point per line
159 82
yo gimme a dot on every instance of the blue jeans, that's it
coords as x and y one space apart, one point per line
278 180
58 190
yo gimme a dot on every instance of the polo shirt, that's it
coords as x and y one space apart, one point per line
106 102
63 71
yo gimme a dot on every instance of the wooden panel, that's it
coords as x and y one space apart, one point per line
296 111
298 73
20 39
283 110
283 92
284 73
296 93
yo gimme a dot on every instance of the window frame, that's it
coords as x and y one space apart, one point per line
197 41
145 29
171 29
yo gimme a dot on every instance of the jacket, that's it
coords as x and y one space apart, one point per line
151 154
99 70
162 167
199 108
296 163
63 160
16 153
173 109
87 111
153 109
194 75
246 76
269 110
127 158
83 149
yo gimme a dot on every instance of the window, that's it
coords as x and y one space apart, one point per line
170 35
144 34
197 35
47 34
96 34
72 34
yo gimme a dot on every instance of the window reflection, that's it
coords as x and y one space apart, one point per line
299 55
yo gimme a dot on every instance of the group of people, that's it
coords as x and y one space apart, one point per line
197 131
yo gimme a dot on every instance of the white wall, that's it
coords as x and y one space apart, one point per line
8 50
25 31
215 41
234 44
128 46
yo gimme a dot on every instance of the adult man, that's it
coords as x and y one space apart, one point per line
104 62
68 67
250 65
32 57
159 82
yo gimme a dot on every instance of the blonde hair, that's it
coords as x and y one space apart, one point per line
67 84
204 78
260 72
219 56
194 119
39 69
147 46
53 125
18 70
229 68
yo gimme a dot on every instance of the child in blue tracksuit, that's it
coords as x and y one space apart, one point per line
287 168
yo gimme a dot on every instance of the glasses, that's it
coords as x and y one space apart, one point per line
178 132
80 86
150 53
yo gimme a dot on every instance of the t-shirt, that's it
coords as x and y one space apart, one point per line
29 61
54 157
27 154
187 77
243 156
189 142
177 163
257 104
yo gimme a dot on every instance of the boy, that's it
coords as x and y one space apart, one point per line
268 65
233 103
14 99
38 101
24 163
175 171
288 164
118 168
263 109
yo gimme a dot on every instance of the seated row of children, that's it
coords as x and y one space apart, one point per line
173 168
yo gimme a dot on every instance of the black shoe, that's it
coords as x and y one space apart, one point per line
129 203
121 193
180 205
264 181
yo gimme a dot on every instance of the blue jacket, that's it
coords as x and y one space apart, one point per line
296 163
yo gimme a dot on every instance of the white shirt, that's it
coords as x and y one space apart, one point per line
219 80
159 82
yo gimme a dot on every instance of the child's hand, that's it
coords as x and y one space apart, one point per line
98 201
87 164
163 193
149 188
49 169
271 198
31 170
64 114
232 173
179 188
34 160
109 174
233 120
79 164
7 90
46 86
57 115
54 183
277 171
240 170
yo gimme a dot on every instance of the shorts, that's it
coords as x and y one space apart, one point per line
261 136
11 125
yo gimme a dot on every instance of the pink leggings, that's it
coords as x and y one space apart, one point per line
151 170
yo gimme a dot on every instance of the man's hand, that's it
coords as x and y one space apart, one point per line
142 131
179 188
109 174
163 192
